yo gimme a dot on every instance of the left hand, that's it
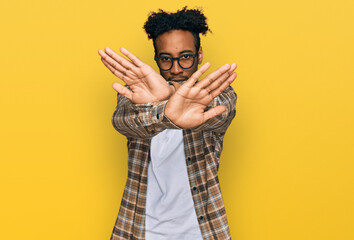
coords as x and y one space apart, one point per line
186 106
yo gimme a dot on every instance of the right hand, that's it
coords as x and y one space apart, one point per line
145 83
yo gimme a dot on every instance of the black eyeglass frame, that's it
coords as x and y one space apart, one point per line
173 60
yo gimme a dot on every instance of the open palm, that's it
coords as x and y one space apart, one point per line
186 107
145 84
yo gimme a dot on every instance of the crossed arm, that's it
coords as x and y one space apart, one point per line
148 104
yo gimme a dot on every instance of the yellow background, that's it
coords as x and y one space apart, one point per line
287 168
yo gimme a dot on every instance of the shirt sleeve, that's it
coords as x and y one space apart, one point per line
221 122
140 120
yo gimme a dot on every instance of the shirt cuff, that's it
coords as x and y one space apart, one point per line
155 114
161 118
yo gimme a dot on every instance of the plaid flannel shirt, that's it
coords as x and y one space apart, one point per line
202 146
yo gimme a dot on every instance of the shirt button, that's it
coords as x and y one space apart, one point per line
188 159
201 218
194 189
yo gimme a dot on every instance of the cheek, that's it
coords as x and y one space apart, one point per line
189 73
164 74
193 69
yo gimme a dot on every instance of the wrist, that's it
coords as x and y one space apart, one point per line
172 90
166 110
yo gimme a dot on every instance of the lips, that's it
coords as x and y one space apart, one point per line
178 79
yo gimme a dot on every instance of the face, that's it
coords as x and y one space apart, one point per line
174 44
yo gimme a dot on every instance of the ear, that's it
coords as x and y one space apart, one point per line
200 55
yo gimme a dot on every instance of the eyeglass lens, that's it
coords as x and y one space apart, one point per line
184 61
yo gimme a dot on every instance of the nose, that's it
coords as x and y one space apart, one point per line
176 69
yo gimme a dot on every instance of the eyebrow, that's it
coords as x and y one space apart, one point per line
166 53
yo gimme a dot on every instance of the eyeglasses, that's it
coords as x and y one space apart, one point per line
185 61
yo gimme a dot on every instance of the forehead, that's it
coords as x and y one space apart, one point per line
175 41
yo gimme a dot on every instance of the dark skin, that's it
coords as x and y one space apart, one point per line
174 44
185 106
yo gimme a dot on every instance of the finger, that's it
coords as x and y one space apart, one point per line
210 78
176 85
224 85
220 80
126 77
195 76
129 73
132 57
111 68
213 112
232 68
121 60
123 90
113 62
108 65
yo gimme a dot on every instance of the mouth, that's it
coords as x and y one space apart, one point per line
179 79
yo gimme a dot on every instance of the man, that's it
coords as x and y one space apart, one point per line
175 126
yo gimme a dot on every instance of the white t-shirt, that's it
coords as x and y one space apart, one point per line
170 213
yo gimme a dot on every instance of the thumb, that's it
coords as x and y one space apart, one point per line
213 112
123 90
176 85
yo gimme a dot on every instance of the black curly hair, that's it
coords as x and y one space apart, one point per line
192 20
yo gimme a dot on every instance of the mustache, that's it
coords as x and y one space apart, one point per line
180 78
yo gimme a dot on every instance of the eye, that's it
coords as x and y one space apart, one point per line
164 59
186 56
